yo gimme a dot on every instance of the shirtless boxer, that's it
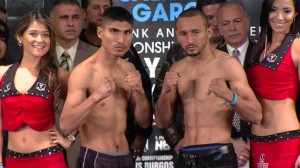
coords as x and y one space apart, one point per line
200 81
100 90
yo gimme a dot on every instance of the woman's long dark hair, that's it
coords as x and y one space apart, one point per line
47 68
266 30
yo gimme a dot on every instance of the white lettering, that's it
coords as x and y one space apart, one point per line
140 33
161 145
169 33
159 33
152 66
153 47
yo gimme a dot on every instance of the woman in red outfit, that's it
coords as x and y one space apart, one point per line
30 90
274 77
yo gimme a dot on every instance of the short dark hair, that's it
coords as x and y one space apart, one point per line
117 13
193 12
85 3
202 3
63 2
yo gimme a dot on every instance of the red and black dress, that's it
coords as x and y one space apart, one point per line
34 109
275 78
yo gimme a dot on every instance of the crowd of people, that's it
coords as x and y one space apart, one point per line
82 97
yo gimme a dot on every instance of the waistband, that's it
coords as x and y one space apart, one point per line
276 137
211 155
40 153
85 149
207 149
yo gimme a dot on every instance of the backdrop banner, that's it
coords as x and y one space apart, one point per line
154 33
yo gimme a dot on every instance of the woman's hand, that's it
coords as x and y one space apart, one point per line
56 138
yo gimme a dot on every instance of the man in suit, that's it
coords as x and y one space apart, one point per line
94 10
234 26
67 18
